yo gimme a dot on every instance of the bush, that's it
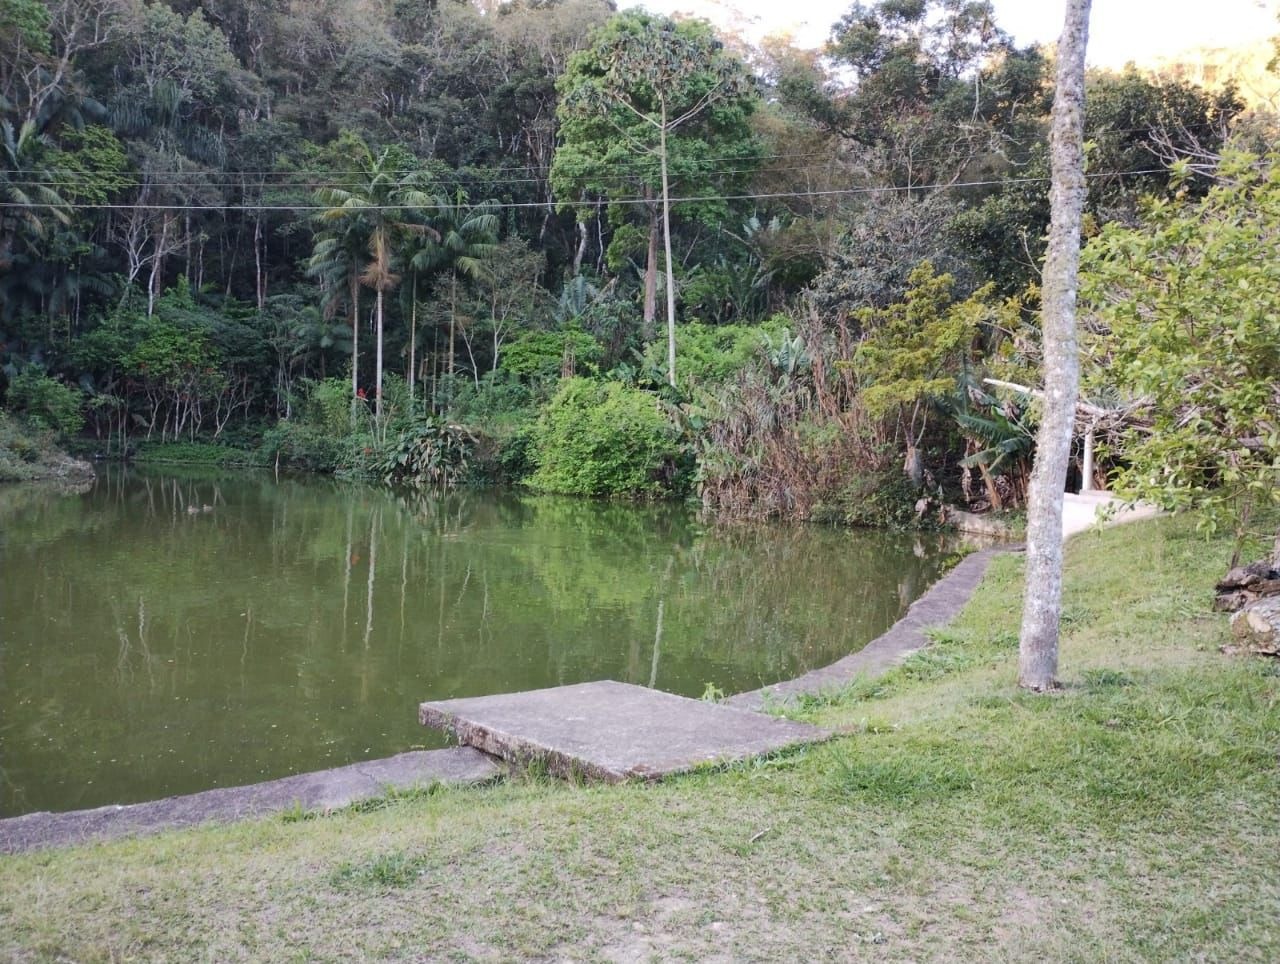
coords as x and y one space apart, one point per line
884 499
46 402
428 454
603 438
541 355
29 454
512 455
709 354
497 400
327 406
298 445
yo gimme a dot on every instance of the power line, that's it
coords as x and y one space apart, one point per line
519 205
191 179
458 177
329 172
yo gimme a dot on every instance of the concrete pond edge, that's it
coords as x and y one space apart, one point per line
940 604
342 786
324 790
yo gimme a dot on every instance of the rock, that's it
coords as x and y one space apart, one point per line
1230 602
1242 576
1244 584
1257 627
983 525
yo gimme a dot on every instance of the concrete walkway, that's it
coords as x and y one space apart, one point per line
1082 511
325 790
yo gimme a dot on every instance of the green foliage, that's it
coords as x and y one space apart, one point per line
21 450
605 439
542 355
45 401
1187 329
876 499
297 445
429 454
384 872
710 354
653 99
497 400
26 21
512 454
643 72
196 453
331 431
910 350
94 162
327 406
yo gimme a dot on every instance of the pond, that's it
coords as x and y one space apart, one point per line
167 632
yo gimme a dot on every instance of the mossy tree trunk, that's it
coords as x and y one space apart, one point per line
1042 598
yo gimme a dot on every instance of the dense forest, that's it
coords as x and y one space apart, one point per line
610 253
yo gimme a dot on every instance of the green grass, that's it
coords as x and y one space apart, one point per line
196 453
1129 817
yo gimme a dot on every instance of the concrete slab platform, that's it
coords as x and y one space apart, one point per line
324 790
613 731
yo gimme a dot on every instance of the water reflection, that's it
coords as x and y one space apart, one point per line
170 631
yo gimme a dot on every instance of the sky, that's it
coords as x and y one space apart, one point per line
1120 30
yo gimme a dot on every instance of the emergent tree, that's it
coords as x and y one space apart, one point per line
652 99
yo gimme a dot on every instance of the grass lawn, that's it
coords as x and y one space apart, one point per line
1131 817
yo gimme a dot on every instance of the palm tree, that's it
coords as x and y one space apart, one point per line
383 204
337 260
27 203
464 236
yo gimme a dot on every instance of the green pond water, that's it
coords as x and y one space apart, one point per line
169 632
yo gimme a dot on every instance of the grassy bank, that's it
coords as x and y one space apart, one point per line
32 455
1131 817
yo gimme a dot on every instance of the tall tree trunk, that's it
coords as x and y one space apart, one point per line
650 275
1042 597
377 364
453 322
581 251
259 279
355 336
666 245
413 336
153 280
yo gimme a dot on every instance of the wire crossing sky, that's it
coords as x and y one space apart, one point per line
1120 30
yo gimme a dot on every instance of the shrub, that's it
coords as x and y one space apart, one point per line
298 445
46 402
603 438
512 456
540 355
708 354
428 454
497 400
880 499
327 406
